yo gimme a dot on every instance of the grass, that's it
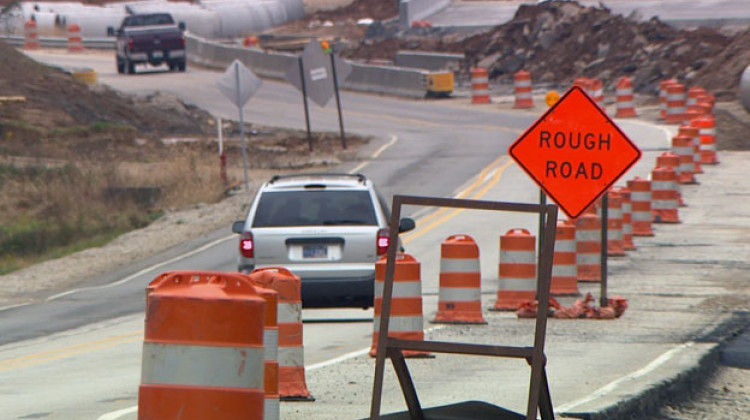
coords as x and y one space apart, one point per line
52 210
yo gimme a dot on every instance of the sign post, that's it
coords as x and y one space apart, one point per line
238 84
576 153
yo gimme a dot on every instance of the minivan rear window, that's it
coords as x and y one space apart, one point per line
314 208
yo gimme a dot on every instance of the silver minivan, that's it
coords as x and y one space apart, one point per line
328 229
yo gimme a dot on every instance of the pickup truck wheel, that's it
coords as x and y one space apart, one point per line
181 65
172 66
120 66
131 67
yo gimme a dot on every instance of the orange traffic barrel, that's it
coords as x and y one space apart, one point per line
624 105
682 146
75 42
406 320
291 356
564 268
663 97
516 270
460 295
589 247
671 160
271 409
627 223
675 103
196 364
615 242
707 132
522 89
480 86
31 35
640 205
597 92
693 133
664 200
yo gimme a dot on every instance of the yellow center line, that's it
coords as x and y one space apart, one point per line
451 213
63 352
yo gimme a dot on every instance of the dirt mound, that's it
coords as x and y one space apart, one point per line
558 41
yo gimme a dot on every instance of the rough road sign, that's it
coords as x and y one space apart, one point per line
575 152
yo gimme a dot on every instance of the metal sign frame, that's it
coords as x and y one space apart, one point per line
390 347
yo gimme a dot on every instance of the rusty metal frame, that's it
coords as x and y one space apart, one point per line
389 347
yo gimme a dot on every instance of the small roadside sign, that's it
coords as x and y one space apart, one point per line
574 152
238 83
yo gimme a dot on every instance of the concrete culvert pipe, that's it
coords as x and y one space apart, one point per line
745 88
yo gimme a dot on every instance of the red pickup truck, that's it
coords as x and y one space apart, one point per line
153 39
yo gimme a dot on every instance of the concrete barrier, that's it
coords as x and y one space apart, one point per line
411 10
427 60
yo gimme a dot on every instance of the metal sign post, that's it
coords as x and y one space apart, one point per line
304 101
239 84
338 100
603 302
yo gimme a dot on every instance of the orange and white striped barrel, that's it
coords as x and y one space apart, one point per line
682 146
291 356
693 94
197 364
693 133
675 103
75 41
589 247
624 105
664 201
564 268
31 35
707 131
671 160
406 320
480 86
516 270
522 89
627 223
663 97
615 242
597 92
640 204
460 295
271 409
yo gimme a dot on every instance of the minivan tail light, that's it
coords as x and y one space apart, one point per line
383 241
247 246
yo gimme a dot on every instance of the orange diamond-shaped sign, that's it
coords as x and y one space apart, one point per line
575 152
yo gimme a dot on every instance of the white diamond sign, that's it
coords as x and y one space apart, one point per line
238 83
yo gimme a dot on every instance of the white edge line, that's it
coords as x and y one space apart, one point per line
656 363
119 413
145 270
382 149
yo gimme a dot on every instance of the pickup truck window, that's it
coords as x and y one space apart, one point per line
146 20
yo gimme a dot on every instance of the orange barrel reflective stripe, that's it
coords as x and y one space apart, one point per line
460 295
693 133
406 321
196 364
615 243
682 146
664 200
480 86
564 267
707 132
523 90
640 202
627 223
291 354
589 247
271 409
517 270
625 105
671 160
663 97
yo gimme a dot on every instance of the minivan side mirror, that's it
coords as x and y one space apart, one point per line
238 226
406 224
181 25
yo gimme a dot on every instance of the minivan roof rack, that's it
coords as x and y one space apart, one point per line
360 177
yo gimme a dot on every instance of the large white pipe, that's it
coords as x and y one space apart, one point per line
745 88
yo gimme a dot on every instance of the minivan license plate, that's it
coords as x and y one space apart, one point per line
315 251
